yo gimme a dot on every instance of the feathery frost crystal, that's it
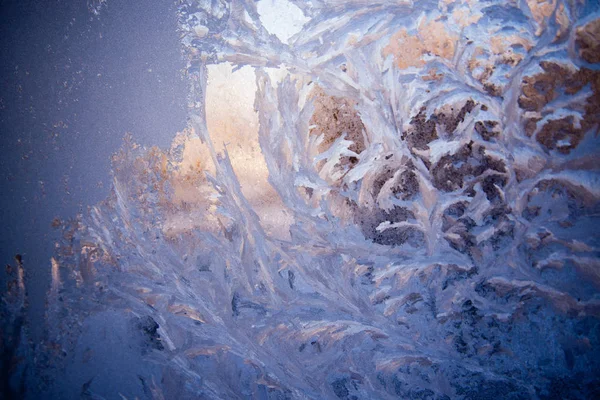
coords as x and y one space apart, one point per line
437 163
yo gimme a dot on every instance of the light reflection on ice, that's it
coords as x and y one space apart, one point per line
282 18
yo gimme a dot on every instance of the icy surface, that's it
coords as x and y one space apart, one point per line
438 166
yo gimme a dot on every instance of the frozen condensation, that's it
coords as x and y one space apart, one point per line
435 166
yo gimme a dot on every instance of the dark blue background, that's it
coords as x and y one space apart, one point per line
72 84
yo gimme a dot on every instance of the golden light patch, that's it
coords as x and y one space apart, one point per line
541 10
464 17
431 38
406 49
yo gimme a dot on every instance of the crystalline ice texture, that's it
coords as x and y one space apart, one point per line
438 165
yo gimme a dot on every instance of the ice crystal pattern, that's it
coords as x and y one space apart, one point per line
440 164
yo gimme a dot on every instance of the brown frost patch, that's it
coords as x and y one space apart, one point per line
451 171
445 121
334 116
540 90
588 41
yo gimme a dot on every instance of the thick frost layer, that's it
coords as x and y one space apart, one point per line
439 164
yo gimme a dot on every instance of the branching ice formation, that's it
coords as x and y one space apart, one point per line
442 247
